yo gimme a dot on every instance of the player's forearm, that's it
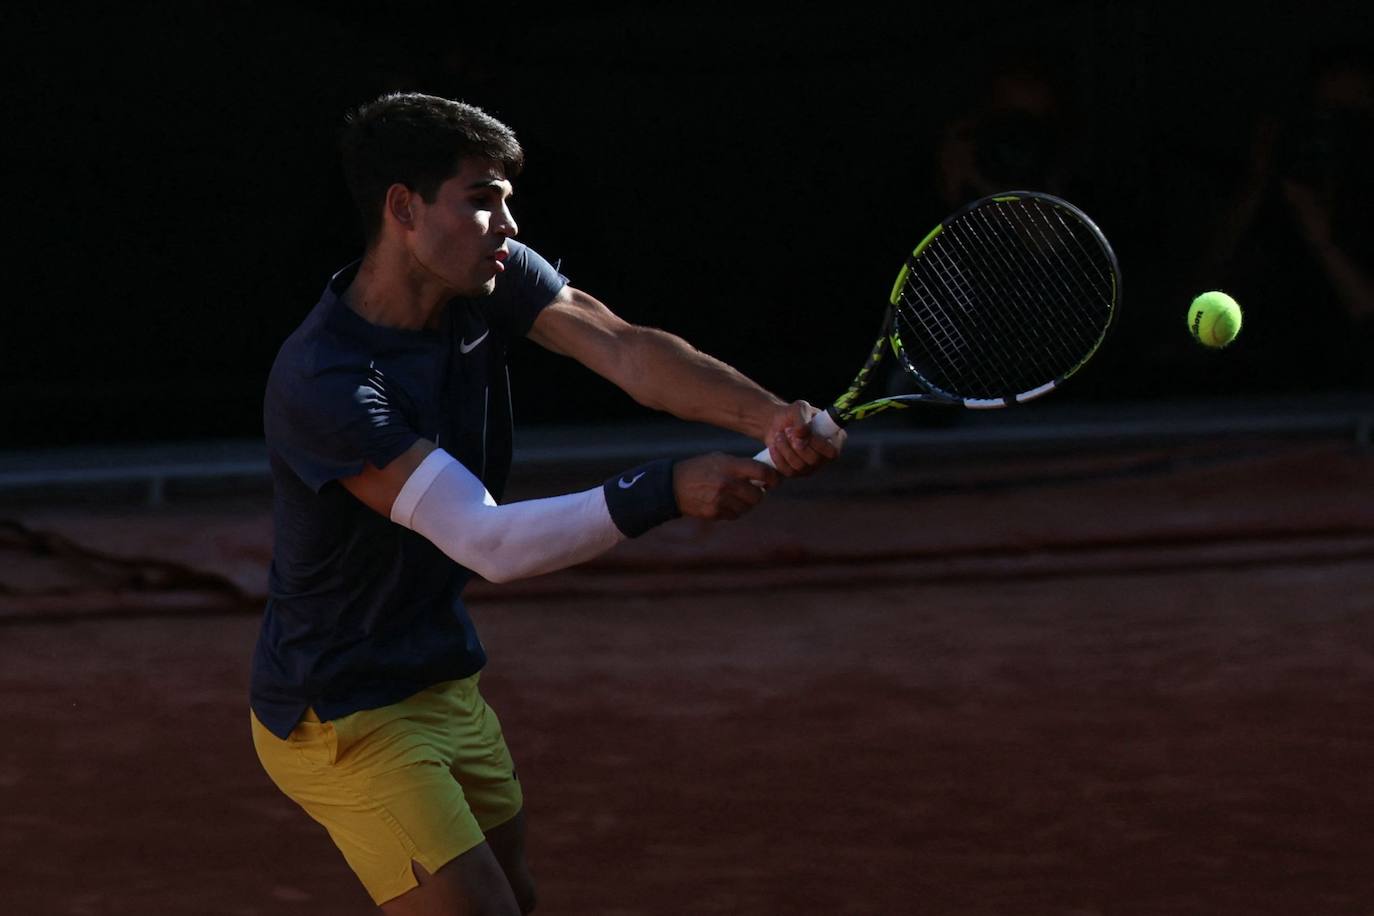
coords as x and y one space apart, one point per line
664 372
450 507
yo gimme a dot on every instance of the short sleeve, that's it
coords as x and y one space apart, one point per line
527 285
331 425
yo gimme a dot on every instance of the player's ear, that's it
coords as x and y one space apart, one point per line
400 204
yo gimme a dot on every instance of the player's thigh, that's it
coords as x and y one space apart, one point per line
472 884
507 843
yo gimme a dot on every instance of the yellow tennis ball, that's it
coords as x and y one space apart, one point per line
1214 319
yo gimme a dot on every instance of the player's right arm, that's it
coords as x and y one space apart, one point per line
428 491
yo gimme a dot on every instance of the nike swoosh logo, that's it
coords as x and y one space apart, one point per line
626 484
465 348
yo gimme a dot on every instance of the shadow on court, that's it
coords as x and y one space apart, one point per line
1138 684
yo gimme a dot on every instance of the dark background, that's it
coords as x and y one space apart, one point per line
748 179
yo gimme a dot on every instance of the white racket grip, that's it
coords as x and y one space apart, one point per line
823 425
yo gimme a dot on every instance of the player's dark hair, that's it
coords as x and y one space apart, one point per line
419 141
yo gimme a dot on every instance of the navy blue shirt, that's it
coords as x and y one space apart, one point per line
362 612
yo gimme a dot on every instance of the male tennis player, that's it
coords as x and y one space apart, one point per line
389 431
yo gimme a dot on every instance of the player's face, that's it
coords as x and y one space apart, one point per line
459 239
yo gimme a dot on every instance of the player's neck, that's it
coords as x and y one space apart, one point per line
387 291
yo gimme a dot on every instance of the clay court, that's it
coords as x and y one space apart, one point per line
1130 681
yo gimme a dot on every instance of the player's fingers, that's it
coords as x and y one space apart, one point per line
721 486
755 473
785 456
739 495
817 447
738 500
787 441
804 446
744 491
802 451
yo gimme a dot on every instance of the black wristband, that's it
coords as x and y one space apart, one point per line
642 497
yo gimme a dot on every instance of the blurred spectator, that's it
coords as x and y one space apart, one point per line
1295 246
1012 137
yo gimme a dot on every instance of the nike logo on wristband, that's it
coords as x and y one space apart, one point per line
626 484
467 348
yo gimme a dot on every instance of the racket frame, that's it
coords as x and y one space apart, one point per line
847 407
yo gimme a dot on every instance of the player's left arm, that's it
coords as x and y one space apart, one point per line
664 372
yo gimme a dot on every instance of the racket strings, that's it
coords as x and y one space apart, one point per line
940 289
977 355
1000 341
937 309
1017 319
1009 296
1076 285
1032 276
938 296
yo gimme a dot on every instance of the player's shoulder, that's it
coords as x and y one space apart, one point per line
528 284
323 356
317 350
527 267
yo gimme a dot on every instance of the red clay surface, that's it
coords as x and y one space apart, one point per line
1140 693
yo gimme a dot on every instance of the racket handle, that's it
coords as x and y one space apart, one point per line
823 425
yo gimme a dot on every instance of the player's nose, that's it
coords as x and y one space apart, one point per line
506 224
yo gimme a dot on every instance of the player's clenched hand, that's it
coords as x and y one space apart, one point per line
796 451
718 486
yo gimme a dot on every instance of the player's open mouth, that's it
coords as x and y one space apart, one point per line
499 259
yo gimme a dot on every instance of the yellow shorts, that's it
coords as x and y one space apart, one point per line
421 781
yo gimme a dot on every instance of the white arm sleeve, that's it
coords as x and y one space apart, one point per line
443 501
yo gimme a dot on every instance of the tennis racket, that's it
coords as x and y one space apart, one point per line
1000 304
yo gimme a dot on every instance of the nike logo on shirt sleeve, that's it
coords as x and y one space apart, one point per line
626 484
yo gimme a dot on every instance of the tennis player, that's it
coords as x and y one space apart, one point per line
389 431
